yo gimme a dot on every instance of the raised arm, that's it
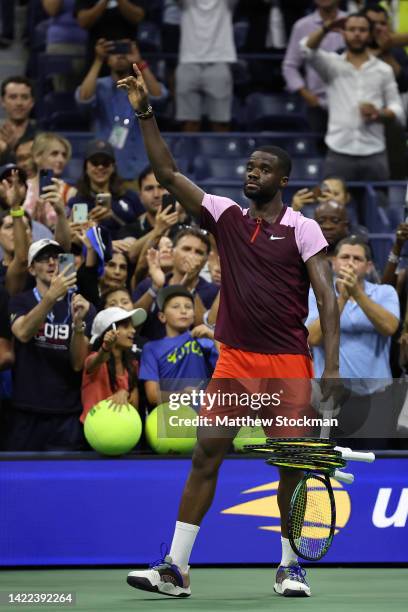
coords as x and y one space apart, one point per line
131 12
164 167
87 17
322 284
52 7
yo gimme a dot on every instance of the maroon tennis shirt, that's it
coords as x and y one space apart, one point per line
265 285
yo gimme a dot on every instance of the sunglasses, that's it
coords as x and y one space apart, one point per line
45 257
101 161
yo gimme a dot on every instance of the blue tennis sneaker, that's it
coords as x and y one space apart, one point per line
164 577
291 581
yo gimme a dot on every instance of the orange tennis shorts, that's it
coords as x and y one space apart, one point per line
246 384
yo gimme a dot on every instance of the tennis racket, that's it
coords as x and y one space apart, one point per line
312 516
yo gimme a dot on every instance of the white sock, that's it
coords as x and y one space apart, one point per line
288 556
182 544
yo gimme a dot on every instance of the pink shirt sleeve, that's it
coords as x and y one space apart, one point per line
216 205
309 237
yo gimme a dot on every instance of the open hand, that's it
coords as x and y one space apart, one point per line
118 400
153 263
347 280
13 191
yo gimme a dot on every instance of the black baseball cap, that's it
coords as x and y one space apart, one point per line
166 293
99 147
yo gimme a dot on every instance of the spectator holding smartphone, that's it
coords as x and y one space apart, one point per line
157 218
114 118
110 204
50 153
50 325
109 19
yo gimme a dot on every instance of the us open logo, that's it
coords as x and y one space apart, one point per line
267 507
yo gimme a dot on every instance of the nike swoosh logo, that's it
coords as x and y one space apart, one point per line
277 237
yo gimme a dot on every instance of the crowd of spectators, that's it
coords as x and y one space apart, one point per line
134 310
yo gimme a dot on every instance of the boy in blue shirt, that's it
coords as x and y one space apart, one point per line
181 354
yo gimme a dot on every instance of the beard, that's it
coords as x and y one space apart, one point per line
259 196
357 49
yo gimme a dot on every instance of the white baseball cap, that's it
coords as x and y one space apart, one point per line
105 318
38 246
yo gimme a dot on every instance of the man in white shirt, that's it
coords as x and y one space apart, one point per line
362 97
304 80
203 75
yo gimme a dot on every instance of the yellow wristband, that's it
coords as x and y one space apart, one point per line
17 212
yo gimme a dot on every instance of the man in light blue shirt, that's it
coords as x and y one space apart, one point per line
114 118
369 316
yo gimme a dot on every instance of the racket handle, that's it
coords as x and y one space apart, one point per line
343 476
350 455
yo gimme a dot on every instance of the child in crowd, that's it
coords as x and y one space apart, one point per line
182 354
110 371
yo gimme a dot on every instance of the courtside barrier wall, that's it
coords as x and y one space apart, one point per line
102 511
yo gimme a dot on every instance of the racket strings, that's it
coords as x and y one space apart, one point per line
311 519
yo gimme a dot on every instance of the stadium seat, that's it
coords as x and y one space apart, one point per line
219 168
234 193
240 33
375 216
275 112
381 246
148 36
397 195
306 168
73 170
59 111
219 146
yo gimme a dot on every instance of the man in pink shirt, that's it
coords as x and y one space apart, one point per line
269 255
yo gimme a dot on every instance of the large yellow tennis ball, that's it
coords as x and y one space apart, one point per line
249 435
112 431
168 432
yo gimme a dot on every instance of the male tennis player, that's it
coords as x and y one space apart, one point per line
269 255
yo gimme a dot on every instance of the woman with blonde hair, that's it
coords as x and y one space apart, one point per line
50 151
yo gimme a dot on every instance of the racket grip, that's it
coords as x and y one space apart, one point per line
350 455
343 476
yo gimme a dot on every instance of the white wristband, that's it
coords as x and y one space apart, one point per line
205 320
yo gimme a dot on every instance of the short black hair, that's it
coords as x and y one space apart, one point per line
359 14
16 79
145 172
193 231
375 8
285 161
355 240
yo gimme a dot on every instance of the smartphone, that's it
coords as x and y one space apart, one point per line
169 200
46 177
317 192
66 260
104 199
80 213
120 47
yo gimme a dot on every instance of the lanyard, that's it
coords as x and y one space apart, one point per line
51 315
